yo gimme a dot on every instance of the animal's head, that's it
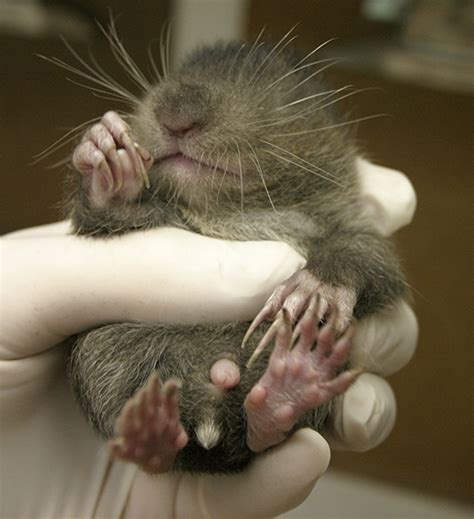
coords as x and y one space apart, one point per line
246 122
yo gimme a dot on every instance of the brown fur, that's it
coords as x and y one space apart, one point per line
233 98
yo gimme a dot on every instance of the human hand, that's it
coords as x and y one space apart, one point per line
160 275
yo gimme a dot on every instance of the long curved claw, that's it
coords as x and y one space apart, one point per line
296 296
122 132
266 339
265 313
272 306
126 141
313 310
147 160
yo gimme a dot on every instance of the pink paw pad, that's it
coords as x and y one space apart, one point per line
302 374
148 430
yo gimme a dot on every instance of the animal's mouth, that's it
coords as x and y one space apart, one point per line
189 164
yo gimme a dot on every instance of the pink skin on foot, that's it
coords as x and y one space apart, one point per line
299 378
112 165
294 296
224 374
148 430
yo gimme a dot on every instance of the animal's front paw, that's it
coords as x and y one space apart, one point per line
294 296
148 430
112 165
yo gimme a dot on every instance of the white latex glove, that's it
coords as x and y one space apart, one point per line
55 285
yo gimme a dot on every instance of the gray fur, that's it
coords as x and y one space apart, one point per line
225 93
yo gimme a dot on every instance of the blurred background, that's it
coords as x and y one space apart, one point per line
419 55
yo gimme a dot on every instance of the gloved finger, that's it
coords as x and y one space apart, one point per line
264 489
386 341
51 229
363 416
388 196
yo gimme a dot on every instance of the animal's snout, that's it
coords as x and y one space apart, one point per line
184 108
179 127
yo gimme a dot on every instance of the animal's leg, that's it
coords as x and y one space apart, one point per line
112 165
299 378
148 430
353 270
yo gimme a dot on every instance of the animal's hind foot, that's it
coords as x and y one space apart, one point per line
148 430
301 375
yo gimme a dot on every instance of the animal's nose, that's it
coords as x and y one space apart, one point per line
179 128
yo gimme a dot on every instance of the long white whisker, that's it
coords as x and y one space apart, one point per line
311 76
235 59
252 49
316 49
257 164
62 141
315 107
313 130
93 77
345 96
163 51
168 47
207 160
273 58
124 58
274 49
103 94
331 175
101 73
96 75
200 162
300 114
272 85
214 169
57 164
154 66
307 98
222 179
241 178
289 161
